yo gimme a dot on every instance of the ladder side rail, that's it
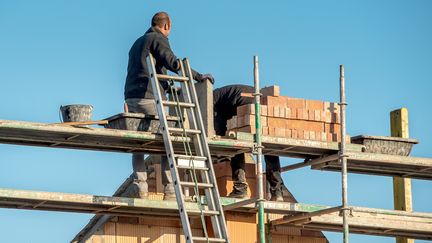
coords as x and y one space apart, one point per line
169 149
198 142
203 135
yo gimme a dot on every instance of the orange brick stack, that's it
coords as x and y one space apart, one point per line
289 117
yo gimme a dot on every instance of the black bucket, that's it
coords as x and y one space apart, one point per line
76 113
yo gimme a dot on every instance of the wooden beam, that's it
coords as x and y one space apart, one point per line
401 186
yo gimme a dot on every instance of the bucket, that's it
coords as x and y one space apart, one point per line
76 113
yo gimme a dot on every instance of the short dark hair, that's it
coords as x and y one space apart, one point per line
160 19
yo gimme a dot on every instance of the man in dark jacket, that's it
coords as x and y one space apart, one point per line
226 100
139 95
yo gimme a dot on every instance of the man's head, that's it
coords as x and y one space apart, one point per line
162 22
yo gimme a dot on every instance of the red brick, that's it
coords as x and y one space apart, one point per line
300 134
276 122
288 133
279 132
294 133
312 135
288 113
274 101
306 135
249 120
282 111
323 136
295 103
328 116
249 129
331 106
232 123
332 128
301 114
311 115
265 131
271 91
270 110
318 115
249 109
304 125
276 111
264 110
314 105
271 131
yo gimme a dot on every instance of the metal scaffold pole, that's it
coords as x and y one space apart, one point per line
260 188
343 156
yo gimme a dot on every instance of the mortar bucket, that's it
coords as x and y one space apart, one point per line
76 113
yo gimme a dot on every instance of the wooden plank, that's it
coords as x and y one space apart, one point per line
402 194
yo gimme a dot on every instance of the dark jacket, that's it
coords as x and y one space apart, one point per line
138 83
226 100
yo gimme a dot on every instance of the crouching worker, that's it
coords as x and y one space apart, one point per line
226 100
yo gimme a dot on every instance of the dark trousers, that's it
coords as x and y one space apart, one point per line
273 174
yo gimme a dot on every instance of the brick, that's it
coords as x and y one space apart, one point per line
232 123
304 125
294 133
312 135
263 110
301 114
288 133
249 129
274 101
249 120
332 128
293 113
265 130
271 91
317 115
314 105
270 110
328 116
318 136
279 132
271 131
306 135
276 111
300 134
332 107
311 115
282 111
243 110
288 113
276 122
295 103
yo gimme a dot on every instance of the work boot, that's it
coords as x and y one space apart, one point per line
169 192
238 194
277 196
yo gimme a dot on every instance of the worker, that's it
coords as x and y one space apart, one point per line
226 100
139 95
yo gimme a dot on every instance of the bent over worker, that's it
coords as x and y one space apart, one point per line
139 95
226 100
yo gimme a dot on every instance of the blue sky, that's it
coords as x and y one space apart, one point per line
62 52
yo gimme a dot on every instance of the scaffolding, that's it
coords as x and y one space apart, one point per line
319 155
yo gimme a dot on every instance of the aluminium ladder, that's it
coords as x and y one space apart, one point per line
195 159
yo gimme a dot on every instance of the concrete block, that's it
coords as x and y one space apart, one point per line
205 96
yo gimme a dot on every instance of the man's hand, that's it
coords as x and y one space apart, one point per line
204 77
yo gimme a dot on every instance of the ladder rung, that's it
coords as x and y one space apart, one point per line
204 239
189 163
190 167
181 130
205 212
181 104
199 184
189 157
169 77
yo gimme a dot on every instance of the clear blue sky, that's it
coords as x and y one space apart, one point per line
62 52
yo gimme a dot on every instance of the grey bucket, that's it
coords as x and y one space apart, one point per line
76 113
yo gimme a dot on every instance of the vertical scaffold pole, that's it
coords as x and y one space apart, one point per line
259 175
343 156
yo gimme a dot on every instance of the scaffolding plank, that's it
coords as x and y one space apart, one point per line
383 164
362 220
368 221
102 139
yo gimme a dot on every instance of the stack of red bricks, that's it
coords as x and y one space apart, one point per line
289 117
